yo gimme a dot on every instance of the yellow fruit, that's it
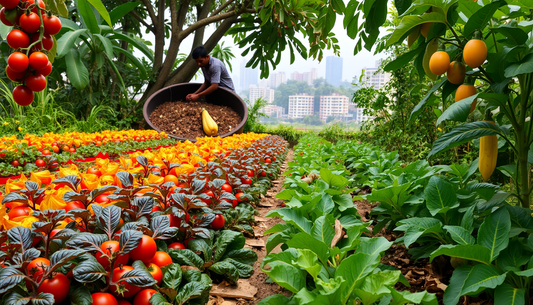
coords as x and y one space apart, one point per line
431 48
456 73
439 62
465 91
424 29
475 53
413 36
488 155
209 125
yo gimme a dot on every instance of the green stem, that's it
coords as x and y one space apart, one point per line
495 45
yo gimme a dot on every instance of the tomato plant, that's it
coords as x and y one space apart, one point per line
58 286
161 259
52 24
30 23
36 83
18 39
103 298
23 95
145 251
38 60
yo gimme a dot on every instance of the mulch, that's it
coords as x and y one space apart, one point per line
184 119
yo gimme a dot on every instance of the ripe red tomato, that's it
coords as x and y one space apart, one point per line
263 174
94 171
40 162
3 17
15 76
59 286
36 266
18 62
38 60
46 43
34 9
102 198
210 194
145 251
23 95
46 71
15 163
239 199
250 173
156 272
143 297
227 188
18 39
110 247
161 258
274 158
218 222
30 23
72 149
71 205
117 273
267 160
52 24
175 221
9 4
103 298
176 246
156 208
46 152
301 153
246 181
36 83
20 211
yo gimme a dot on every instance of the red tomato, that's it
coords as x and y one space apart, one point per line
4 18
267 160
145 251
301 153
71 205
117 273
110 247
175 221
40 162
274 158
161 258
35 267
18 39
52 24
34 9
250 173
38 60
210 194
72 149
176 246
102 198
18 62
156 208
59 286
103 298
30 23
246 181
156 272
263 174
15 76
9 4
46 152
23 95
123 302
46 43
143 297
19 211
218 222
36 83
227 188
15 163
46 71
94 171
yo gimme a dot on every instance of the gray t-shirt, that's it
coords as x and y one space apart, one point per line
216 73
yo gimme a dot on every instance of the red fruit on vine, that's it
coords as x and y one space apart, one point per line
18 39
38 60
36 83
40 163
34 9
46 71
18 62
9 4
52 24
17 77
23 95
4 18
218 222
30 23
46 43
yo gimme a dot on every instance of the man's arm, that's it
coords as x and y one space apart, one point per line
193 97
202 88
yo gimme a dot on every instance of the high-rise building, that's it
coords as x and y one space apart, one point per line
333 104
297 76
360 116
301 105
376 79
309 77
248 77
334 70
277 79
273 111
258 92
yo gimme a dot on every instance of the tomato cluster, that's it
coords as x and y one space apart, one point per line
31 37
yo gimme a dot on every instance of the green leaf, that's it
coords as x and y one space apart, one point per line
338 6
460 235
277 299
374 246
172 276
81 296
509 295
308 260
88 17
305 241
463 134
482 277
76 71
293 217
186 257
514 34
286 275
404 59
134 42
190 291
407 297
411 21
525 66
440 196
66 42
226 269
108 46
454 291
99 6
121 11
480 18
354 269
401 6
228 241
332 179
323 230
423 102
494 232
471 252
457 111
4 30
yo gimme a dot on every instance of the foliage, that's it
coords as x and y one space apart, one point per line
334 133
312 120
254 114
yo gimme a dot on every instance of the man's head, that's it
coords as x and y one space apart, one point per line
201 56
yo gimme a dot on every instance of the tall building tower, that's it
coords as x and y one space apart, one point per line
277 79
334 70
248 76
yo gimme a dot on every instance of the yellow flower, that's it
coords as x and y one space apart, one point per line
16 122
21 129
6 123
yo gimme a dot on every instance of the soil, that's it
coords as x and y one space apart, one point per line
184 119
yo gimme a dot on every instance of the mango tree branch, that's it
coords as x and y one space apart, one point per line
207 21
141 20
151 11
221 8
202 12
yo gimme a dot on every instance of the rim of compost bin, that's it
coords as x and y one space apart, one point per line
239 127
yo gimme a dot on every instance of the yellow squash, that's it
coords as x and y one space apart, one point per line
210 127
488 153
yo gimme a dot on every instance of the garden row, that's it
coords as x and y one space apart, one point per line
147 235
436 210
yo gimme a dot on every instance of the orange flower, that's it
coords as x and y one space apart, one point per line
89 181
72 169
54 199
16 185
42 177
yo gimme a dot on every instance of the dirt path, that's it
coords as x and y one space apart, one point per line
256 285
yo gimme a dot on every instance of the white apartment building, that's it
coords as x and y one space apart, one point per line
376 79
309 77
273 111
361 117
301 105
258 92
333 104
277 79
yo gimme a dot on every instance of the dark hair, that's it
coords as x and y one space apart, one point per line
199 51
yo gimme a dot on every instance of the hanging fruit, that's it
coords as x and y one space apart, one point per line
439 62
431 48
456 72
464 91
424 29
488 151
475 52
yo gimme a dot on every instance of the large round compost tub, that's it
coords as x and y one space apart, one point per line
221 96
